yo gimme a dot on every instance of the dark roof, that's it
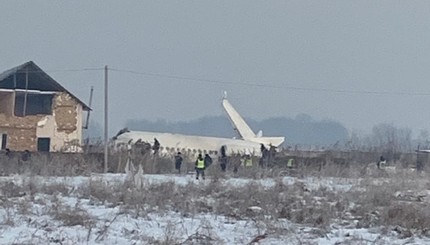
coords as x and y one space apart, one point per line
37 80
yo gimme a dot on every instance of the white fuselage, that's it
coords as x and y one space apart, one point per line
249 144
173 143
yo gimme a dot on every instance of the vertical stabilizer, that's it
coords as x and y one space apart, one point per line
239 124
244 130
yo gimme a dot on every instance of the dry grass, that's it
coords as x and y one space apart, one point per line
371 202
280 201
71 216
50 164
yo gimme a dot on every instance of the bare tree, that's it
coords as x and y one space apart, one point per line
388 138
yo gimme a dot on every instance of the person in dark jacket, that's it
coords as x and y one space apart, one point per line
223 163
200 166
208 160
156 146
381 163
223 158
178 162
264 159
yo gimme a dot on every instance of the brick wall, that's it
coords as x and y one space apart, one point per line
21 131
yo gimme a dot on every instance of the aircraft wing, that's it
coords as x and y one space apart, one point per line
275 141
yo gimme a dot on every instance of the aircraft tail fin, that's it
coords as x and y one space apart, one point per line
244 131
260 134
239 124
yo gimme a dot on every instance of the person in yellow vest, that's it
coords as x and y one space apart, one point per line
290 163
200 166
248 161
242 161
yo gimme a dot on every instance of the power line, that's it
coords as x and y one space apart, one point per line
215 81
78 70
201 80
63 70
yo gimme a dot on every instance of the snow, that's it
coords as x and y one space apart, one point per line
111 224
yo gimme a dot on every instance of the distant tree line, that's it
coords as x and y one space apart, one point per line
388 138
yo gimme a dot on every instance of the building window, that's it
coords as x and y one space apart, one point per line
33 104
3 141
6 102
43 144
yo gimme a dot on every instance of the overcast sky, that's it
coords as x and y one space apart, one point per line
308 55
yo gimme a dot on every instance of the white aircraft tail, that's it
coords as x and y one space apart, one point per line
241 127
260 134
244 131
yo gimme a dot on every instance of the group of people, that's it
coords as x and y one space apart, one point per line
200 165
267 156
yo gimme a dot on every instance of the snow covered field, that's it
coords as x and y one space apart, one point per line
172 209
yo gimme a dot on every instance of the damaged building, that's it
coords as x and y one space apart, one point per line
37 113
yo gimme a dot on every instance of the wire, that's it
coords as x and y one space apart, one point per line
270 85
214 81
78 70
64 70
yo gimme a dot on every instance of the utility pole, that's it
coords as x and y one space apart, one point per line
106 154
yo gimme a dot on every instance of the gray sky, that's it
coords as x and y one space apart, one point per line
376 46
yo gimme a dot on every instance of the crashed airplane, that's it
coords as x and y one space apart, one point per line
249 142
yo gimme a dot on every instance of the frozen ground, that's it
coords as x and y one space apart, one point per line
66 210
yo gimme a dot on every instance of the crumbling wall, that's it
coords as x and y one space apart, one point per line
21 131
63 127
65 112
